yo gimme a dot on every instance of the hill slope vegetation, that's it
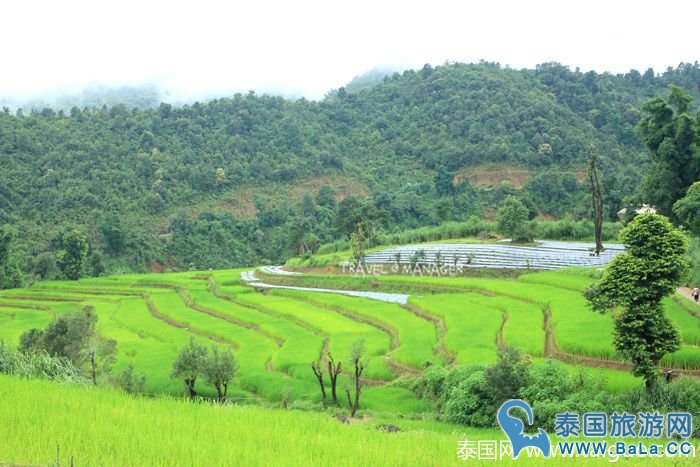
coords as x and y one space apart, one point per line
156 187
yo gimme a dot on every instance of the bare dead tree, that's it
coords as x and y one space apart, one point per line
318 371
93 366
333 372
356 354
597 204
350 404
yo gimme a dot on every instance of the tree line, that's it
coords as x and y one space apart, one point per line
71 344
151 188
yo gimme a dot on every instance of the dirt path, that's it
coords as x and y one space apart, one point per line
440 330
391 332
687 293
396 367
176 324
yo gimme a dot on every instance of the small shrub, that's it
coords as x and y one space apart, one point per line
682 395
129 381
469 403
306 406
508 376
38 364
430 385
552 390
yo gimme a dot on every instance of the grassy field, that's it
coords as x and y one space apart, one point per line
576 329
414 338
472 328
94 425
275 337
99 426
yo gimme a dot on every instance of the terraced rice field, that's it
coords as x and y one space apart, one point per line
573 328
276 335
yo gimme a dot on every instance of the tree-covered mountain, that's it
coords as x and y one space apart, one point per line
250 178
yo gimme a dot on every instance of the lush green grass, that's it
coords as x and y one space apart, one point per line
253 350
298 347
524 327
416 336
471 327
277 335
290 348
616 381
688 325
688 357
578 331
567 324
100 427
342 332
575 279
107 427
150 345
13 322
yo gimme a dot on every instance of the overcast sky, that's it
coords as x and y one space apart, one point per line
301 47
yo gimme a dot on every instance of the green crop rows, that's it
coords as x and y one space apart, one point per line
277 335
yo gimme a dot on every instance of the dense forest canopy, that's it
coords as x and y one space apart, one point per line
216 184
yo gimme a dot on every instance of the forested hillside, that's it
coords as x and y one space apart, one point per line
251 179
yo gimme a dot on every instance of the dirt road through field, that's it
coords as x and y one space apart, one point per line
687 293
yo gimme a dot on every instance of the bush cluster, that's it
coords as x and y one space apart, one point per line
472 394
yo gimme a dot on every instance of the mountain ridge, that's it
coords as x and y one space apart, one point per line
138 170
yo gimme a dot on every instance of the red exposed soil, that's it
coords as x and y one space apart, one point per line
487 176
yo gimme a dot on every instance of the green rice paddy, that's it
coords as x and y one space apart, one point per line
277 334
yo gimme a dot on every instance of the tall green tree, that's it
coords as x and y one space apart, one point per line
672 136
10 275
553 192
633 285
513 219
357 243
72 258
190 364
348 215
74 336
67 336
220 369
6 237
113 234
444 182
687 209
326 197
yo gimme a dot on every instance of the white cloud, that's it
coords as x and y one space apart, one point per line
309 47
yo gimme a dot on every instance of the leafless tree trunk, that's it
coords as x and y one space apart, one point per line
319 376
597 204
333 372
350 404
359 368
93 367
